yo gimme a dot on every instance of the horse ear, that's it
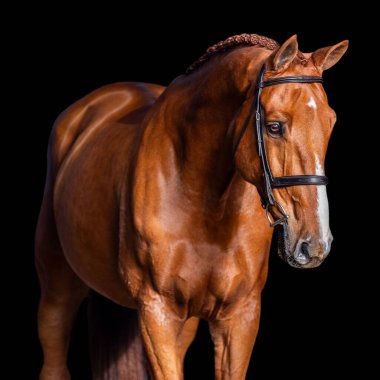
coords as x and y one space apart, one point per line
285 54
327 57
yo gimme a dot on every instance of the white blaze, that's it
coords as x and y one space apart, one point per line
323 206
311 103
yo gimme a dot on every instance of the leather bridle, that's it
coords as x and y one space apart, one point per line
268 200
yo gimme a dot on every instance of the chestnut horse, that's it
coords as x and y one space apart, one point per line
147 204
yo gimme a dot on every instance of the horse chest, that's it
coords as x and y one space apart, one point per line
206 278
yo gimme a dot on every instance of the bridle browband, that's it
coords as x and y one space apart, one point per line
268 200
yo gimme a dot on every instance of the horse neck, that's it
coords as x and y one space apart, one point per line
190 136
205 127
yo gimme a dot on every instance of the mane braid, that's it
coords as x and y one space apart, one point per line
231 42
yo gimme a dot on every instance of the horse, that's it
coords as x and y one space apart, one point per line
159 198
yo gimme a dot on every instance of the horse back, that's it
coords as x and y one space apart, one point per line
120 102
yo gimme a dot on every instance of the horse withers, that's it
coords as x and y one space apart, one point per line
154 198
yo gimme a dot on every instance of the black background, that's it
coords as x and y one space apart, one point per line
311 323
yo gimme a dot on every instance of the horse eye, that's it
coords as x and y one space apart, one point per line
274 128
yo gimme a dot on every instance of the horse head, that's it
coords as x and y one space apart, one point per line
297 122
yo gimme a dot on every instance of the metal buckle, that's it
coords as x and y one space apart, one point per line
280 208
258 116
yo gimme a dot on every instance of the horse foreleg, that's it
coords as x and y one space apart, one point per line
160 329
187 335
233 339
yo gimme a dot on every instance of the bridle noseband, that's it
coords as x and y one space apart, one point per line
268 200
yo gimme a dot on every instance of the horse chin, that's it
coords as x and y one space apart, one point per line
283 242
285 253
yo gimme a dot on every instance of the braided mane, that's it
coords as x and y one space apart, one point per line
231 42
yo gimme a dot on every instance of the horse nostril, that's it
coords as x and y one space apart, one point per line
302 254
305 249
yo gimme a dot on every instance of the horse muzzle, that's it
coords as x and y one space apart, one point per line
306 253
